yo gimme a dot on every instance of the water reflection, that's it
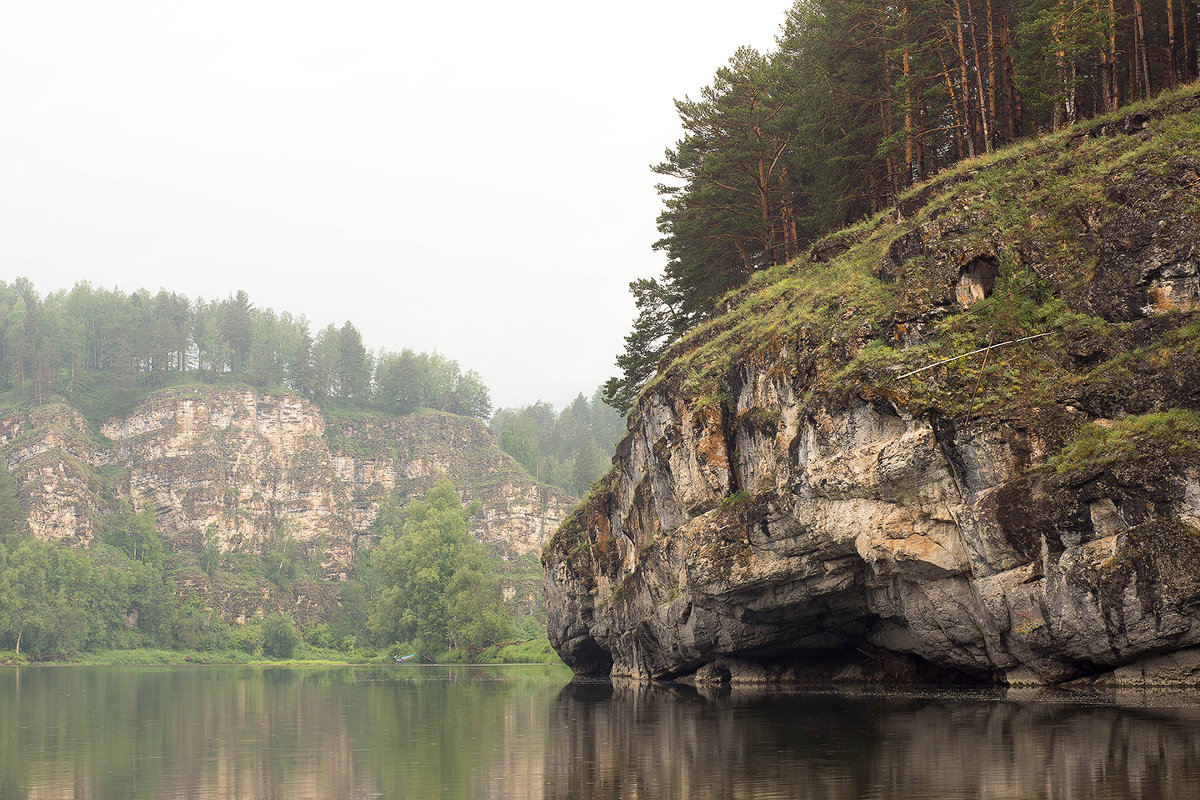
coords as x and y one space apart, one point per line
261 733
273 733
650 742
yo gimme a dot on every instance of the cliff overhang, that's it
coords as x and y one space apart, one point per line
959 439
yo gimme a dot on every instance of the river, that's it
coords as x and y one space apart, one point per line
257 733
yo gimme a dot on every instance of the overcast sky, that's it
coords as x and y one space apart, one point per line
471 177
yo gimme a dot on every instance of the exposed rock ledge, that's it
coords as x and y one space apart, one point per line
793 524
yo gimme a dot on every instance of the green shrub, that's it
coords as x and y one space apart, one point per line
249 638
279 636
319 635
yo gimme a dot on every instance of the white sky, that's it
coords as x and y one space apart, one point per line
470 177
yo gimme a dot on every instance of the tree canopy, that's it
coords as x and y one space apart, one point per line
57 600
857 102
569 449
103 349
434 586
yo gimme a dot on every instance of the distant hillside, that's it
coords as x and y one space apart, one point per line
235 469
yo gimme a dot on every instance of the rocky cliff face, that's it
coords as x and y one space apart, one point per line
235 462
50 453
245 464
819 484
405 455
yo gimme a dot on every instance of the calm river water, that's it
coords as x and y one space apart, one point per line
523 732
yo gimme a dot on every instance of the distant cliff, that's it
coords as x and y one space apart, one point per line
245 464
960 440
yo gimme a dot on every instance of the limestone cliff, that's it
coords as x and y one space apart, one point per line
245 464
822 483
405 455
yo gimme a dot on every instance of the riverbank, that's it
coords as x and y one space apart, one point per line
534 651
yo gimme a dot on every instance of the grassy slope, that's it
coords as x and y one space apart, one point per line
841 316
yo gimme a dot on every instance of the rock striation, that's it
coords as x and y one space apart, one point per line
244 465
822 484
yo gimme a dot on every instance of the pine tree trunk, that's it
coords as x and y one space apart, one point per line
983 114
1187 42
1140 18
1060 113
1113 100
1013 124
1171 43
885 109
747 265
960 151
787 218
764 208
965 80
1072 101
1133 66
922 118
1105 67
991 54
906 71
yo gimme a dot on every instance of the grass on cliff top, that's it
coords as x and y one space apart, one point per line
828 302
1173 434
100 403
334 411
839 311
72 468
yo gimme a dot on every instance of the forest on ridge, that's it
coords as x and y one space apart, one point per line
570 449
861 100
103 350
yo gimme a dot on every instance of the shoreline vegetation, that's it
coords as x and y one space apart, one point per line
427 588
533 652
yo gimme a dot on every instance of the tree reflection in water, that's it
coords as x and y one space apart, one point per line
516 733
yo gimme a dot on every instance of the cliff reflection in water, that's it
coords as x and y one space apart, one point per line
669 742
516 733
254 733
